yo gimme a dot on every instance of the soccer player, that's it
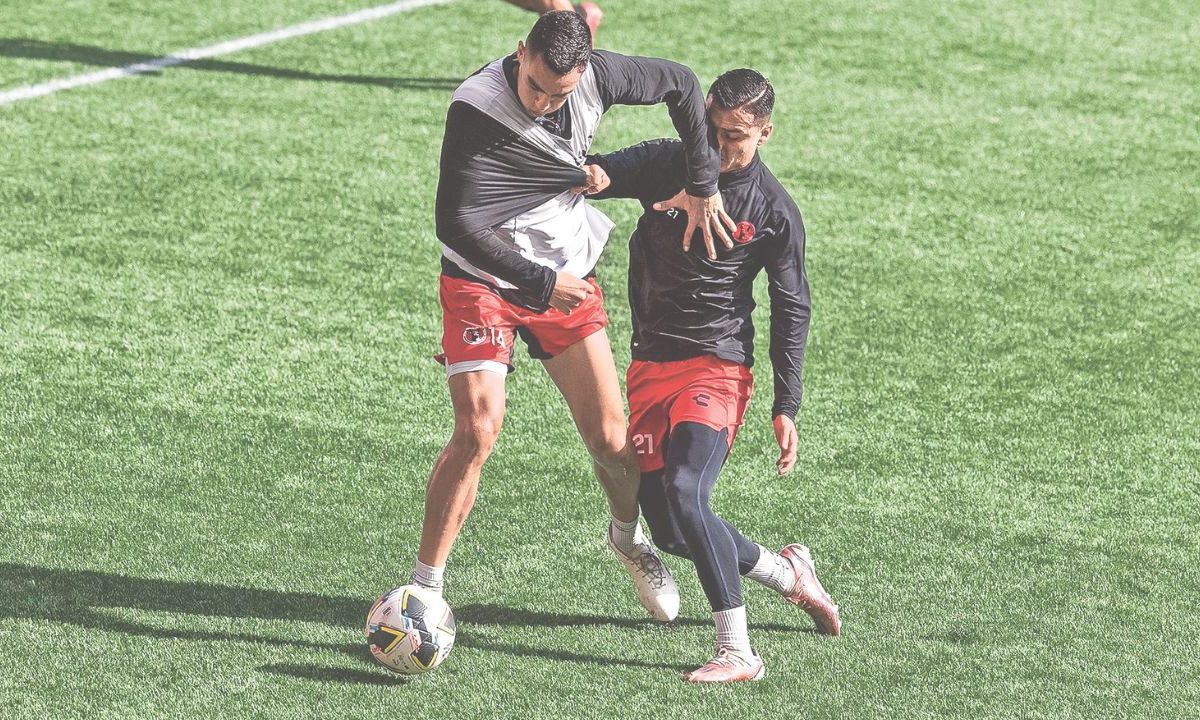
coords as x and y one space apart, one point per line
589 11
690 379
520 248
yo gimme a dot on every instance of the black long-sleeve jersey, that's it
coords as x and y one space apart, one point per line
491 174
685 305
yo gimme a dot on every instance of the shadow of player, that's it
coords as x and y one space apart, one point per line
79 598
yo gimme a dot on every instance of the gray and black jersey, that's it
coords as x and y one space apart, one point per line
685 305
505 212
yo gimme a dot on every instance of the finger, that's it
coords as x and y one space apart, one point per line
721 233
660 206
579 190
708 242
687 235
729 223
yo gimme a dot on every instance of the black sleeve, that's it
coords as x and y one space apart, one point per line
645 171
486 251
790 311
627 80
486 176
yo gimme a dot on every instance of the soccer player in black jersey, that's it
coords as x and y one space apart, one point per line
690 380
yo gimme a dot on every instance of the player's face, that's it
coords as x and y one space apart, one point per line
542 91
739 135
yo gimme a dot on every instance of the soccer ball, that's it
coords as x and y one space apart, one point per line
410 630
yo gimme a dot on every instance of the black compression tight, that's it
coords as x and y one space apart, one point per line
677 504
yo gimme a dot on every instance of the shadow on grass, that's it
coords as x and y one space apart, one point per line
79 597
502 615
91 55
333 674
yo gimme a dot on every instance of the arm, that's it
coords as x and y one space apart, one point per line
486 251
790 312
646 171
625 80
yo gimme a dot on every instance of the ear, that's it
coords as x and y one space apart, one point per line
766 133
520 51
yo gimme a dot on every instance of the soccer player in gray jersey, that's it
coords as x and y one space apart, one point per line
520 250
693 346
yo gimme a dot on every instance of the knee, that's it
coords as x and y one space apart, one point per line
475 435
683 497
665 537
607 444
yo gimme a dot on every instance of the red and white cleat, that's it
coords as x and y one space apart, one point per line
591 14
806 591
729 666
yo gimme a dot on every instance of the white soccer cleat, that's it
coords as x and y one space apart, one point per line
655 587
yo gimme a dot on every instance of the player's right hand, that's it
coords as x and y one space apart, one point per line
597 181
789 441
708 214
569 291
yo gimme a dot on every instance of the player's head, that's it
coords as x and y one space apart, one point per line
551 61
739 107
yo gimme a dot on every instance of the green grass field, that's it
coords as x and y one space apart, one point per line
218 408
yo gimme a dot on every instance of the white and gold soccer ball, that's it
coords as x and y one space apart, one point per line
410 630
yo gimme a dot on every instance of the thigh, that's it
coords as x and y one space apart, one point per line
552 333
587 378
478 398
477 328
649 396
715 395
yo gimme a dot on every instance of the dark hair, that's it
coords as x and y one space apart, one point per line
563 40
746 89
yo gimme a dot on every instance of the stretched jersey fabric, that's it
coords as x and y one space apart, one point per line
685 305
505 214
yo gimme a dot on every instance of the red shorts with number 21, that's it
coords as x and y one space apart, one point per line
704 389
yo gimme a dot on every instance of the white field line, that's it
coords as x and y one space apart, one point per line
230 46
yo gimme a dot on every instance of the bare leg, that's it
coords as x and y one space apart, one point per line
587 377
478 399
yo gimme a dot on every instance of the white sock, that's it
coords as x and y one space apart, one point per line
429 576
625 534
772 570
731 629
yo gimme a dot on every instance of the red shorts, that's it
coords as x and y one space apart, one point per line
705 390
479 327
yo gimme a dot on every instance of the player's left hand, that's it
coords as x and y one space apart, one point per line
708 214
597 181
786 436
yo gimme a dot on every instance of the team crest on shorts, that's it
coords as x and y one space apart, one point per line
475 335
480 335
744 233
